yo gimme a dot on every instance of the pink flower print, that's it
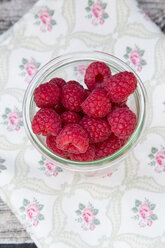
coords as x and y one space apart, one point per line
49 28
91 227
160 158
50 166
31 68
55 173
135 57
145 211
149 223
14 118
45 17
17 128
141 224
35 223
88 215
32 211
101 21
81 69
97 10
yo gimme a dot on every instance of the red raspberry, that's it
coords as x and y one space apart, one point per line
46 121
95 74
59 108
73 138
120 86
69 117
72 82
108 147
51 144
47 95
89 155
98 129
97 104
72 96
59 81
123 122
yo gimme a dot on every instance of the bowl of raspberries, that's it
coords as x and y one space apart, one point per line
85 111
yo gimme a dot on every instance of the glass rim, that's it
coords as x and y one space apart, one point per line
95 164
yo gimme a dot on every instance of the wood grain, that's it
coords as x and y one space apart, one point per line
10 12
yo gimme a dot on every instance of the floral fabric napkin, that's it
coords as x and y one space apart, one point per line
61 208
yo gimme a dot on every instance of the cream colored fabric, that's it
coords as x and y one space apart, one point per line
59 208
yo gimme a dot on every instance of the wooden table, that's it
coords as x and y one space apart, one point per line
10 11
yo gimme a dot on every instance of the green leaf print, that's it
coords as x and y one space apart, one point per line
41 162
134 209
21 67
141 52
143 62
138 203
59 169
151 156
152 206
105 16
88 9
41 217
24 61
3 167
81 206
154 217
40 207
7 110
37 64
22 209
53 22
96 222
78 212
95 211
51 12
4 116
90 2
104 5
154 150
25 202
2 160
128 49
126 56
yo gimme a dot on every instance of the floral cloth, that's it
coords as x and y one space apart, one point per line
123 209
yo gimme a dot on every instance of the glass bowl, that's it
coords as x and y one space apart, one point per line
72 67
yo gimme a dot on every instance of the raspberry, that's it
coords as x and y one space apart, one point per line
46 95
59 108
97 104
89 155
59 81
98 129
120 86
122 121
46 121
95 74
72 82
69 117
51 143
73 138
72 96
108 147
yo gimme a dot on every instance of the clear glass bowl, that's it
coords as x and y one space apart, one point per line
71 67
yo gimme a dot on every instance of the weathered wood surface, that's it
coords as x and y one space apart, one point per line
10 11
